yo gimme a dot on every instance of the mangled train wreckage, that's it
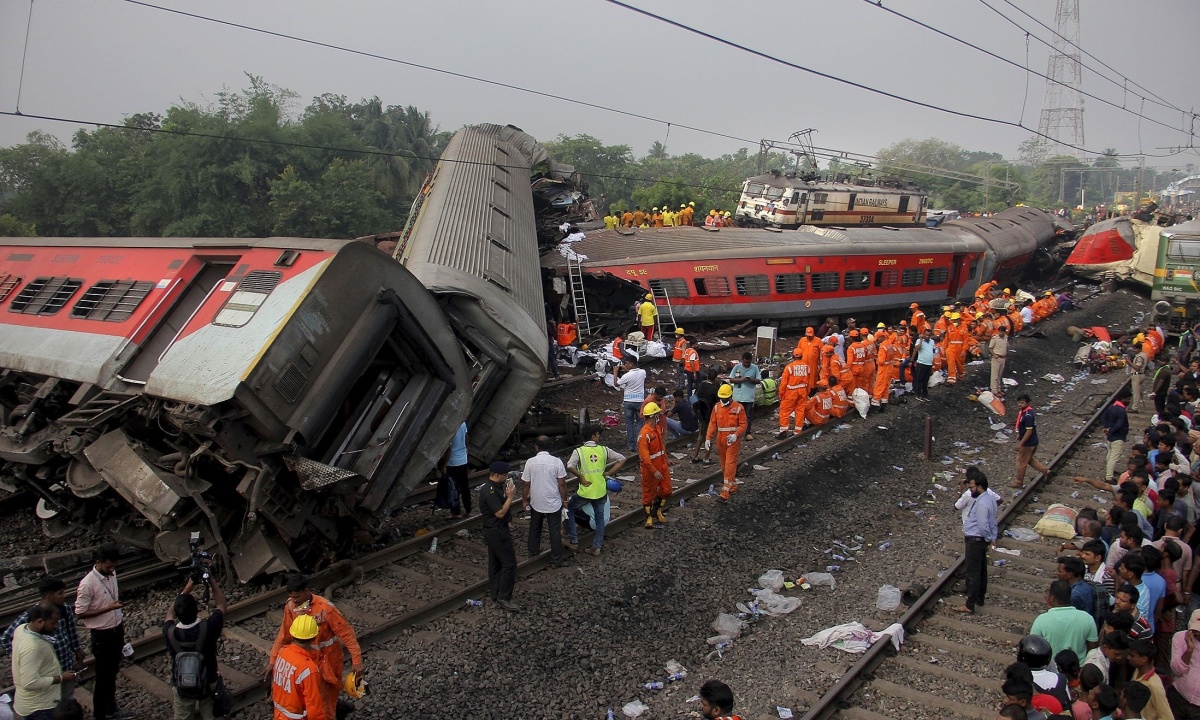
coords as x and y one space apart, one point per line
281 395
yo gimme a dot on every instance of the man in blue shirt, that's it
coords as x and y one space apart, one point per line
1027 442
979 529
745 379
1083 595
454 466
1156 584
1115 421
922 357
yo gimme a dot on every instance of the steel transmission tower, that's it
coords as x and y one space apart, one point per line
1062 105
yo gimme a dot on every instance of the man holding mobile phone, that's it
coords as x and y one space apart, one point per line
495 505
98 604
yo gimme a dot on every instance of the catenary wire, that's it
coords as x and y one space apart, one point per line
852 83
357 151
1139 114
431 68
1157 100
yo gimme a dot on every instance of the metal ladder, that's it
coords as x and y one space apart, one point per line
578 297
666 321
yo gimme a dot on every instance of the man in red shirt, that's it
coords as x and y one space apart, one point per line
716 701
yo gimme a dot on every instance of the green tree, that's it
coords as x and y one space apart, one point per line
10 226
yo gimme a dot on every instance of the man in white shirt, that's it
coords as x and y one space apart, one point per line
1027 313
545 491
966 500
98 604
632 384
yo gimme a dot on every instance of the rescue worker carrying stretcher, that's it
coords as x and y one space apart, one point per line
728 423
656 472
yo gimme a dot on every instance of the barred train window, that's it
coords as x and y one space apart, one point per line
753 285
111 300
790 284
857 280
45 295
937 276
669 287
887 278
912 278
7 284
825 282
712 286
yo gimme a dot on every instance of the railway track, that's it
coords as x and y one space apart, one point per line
948 657
419 586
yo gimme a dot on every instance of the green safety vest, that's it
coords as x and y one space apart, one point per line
592 461
767 392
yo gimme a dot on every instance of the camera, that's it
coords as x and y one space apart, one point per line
200 560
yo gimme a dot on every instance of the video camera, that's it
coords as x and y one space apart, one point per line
200 561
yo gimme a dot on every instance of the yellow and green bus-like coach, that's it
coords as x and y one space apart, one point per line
1176 289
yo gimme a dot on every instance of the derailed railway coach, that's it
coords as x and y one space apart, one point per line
282 396
733 274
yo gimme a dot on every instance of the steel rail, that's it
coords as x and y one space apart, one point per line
832 701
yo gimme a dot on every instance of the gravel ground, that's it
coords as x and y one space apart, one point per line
592 633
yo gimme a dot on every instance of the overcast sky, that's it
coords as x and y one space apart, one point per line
103 59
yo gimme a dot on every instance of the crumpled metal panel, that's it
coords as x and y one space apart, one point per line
318 476
155 493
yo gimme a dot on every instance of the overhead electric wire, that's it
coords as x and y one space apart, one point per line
879 4
431 68
1165 103
359 151
852 83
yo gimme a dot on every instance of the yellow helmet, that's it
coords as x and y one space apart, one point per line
304 627
946 313
956 316
712 212
727 213
679 331
682 206
649 296
1140 338
726 391
354 686
1007 291
880 326
651 409
692 204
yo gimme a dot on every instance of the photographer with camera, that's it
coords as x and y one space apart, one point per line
192 642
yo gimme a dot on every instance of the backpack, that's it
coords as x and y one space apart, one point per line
1104 603
190 676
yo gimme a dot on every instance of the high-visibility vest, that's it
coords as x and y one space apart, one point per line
768 392
592 461
677 355
691 360
295 686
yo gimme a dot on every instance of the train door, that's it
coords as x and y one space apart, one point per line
959 273
850 202
903 205
209 278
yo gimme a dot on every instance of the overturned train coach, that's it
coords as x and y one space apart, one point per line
280 395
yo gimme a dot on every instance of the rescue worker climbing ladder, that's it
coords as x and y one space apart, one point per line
656 472
728 423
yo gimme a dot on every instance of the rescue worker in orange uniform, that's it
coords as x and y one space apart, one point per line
820 406
852 343
885 366
618 350
627 219
956 350
333 633
728 426
943 323
296 676
840 369
857 355
918 318
841 401
827 356
691 368
656 219
794 384
656 471
638 218
1014 316
681 344
810 353
984 328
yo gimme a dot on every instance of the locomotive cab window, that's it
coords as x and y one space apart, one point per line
790 284
825 282
774 193
247 298
937 276
857 280
887 278
752 285
1184 248
912 278
820 198
754 189
669 287
45 295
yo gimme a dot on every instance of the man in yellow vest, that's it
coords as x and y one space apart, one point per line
611 221
590 463
648 316
668 217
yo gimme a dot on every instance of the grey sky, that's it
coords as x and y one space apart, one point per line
103 59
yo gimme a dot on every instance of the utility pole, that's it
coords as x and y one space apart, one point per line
987 174
1137 200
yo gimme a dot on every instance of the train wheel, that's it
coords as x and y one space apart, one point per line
55 525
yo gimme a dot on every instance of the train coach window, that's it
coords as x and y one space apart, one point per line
825 282
790 284
887 278
912 278
45 295
820 198
111 300
669 287
857 280
752 285
7 284
712 286
247 298
1184 248
937 276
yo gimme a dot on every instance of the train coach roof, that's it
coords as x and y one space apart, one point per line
197 243
1191 227
694 243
